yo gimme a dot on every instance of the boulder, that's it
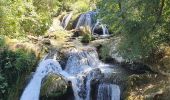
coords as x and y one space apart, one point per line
53 85
46 41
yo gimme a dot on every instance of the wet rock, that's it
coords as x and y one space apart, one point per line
75 21
111 60
46 41
98 30
136 67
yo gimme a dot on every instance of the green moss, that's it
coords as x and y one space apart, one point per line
86 38
53 86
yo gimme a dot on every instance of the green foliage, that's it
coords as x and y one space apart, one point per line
77 6
104 52
18 17
81 6
3 85
86 38
2 41
142 24
13 65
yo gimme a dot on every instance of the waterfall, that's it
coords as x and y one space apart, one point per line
87 21
97 23
66 20
79 61
83 66
108 92
94 74
32 91
84 21
80 64
105 30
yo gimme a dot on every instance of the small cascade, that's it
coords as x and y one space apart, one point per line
79 61
98 25
83 68
92 75
87 20
108 92
105 30
32 91
95 26
81 64
66 20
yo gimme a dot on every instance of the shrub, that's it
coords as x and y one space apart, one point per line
80 6
86 38
142 25
104 52
13 65
19 17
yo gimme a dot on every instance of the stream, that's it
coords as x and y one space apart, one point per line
82 68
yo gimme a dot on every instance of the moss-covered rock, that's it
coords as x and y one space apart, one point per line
53 85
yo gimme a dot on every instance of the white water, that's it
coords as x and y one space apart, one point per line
82 67
97 23
105 30
90 77
66 20
32 91
86 20
108 92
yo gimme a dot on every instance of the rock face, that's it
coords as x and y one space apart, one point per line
53 85
137 68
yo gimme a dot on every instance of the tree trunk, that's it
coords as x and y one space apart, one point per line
123 13
160 11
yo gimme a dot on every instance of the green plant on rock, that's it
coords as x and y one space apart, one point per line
53 86
86 38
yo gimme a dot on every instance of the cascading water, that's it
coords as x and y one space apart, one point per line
105 30
78 61
79 64
94 74
108 92
83 66
87 20
98 25
32 91
66 20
